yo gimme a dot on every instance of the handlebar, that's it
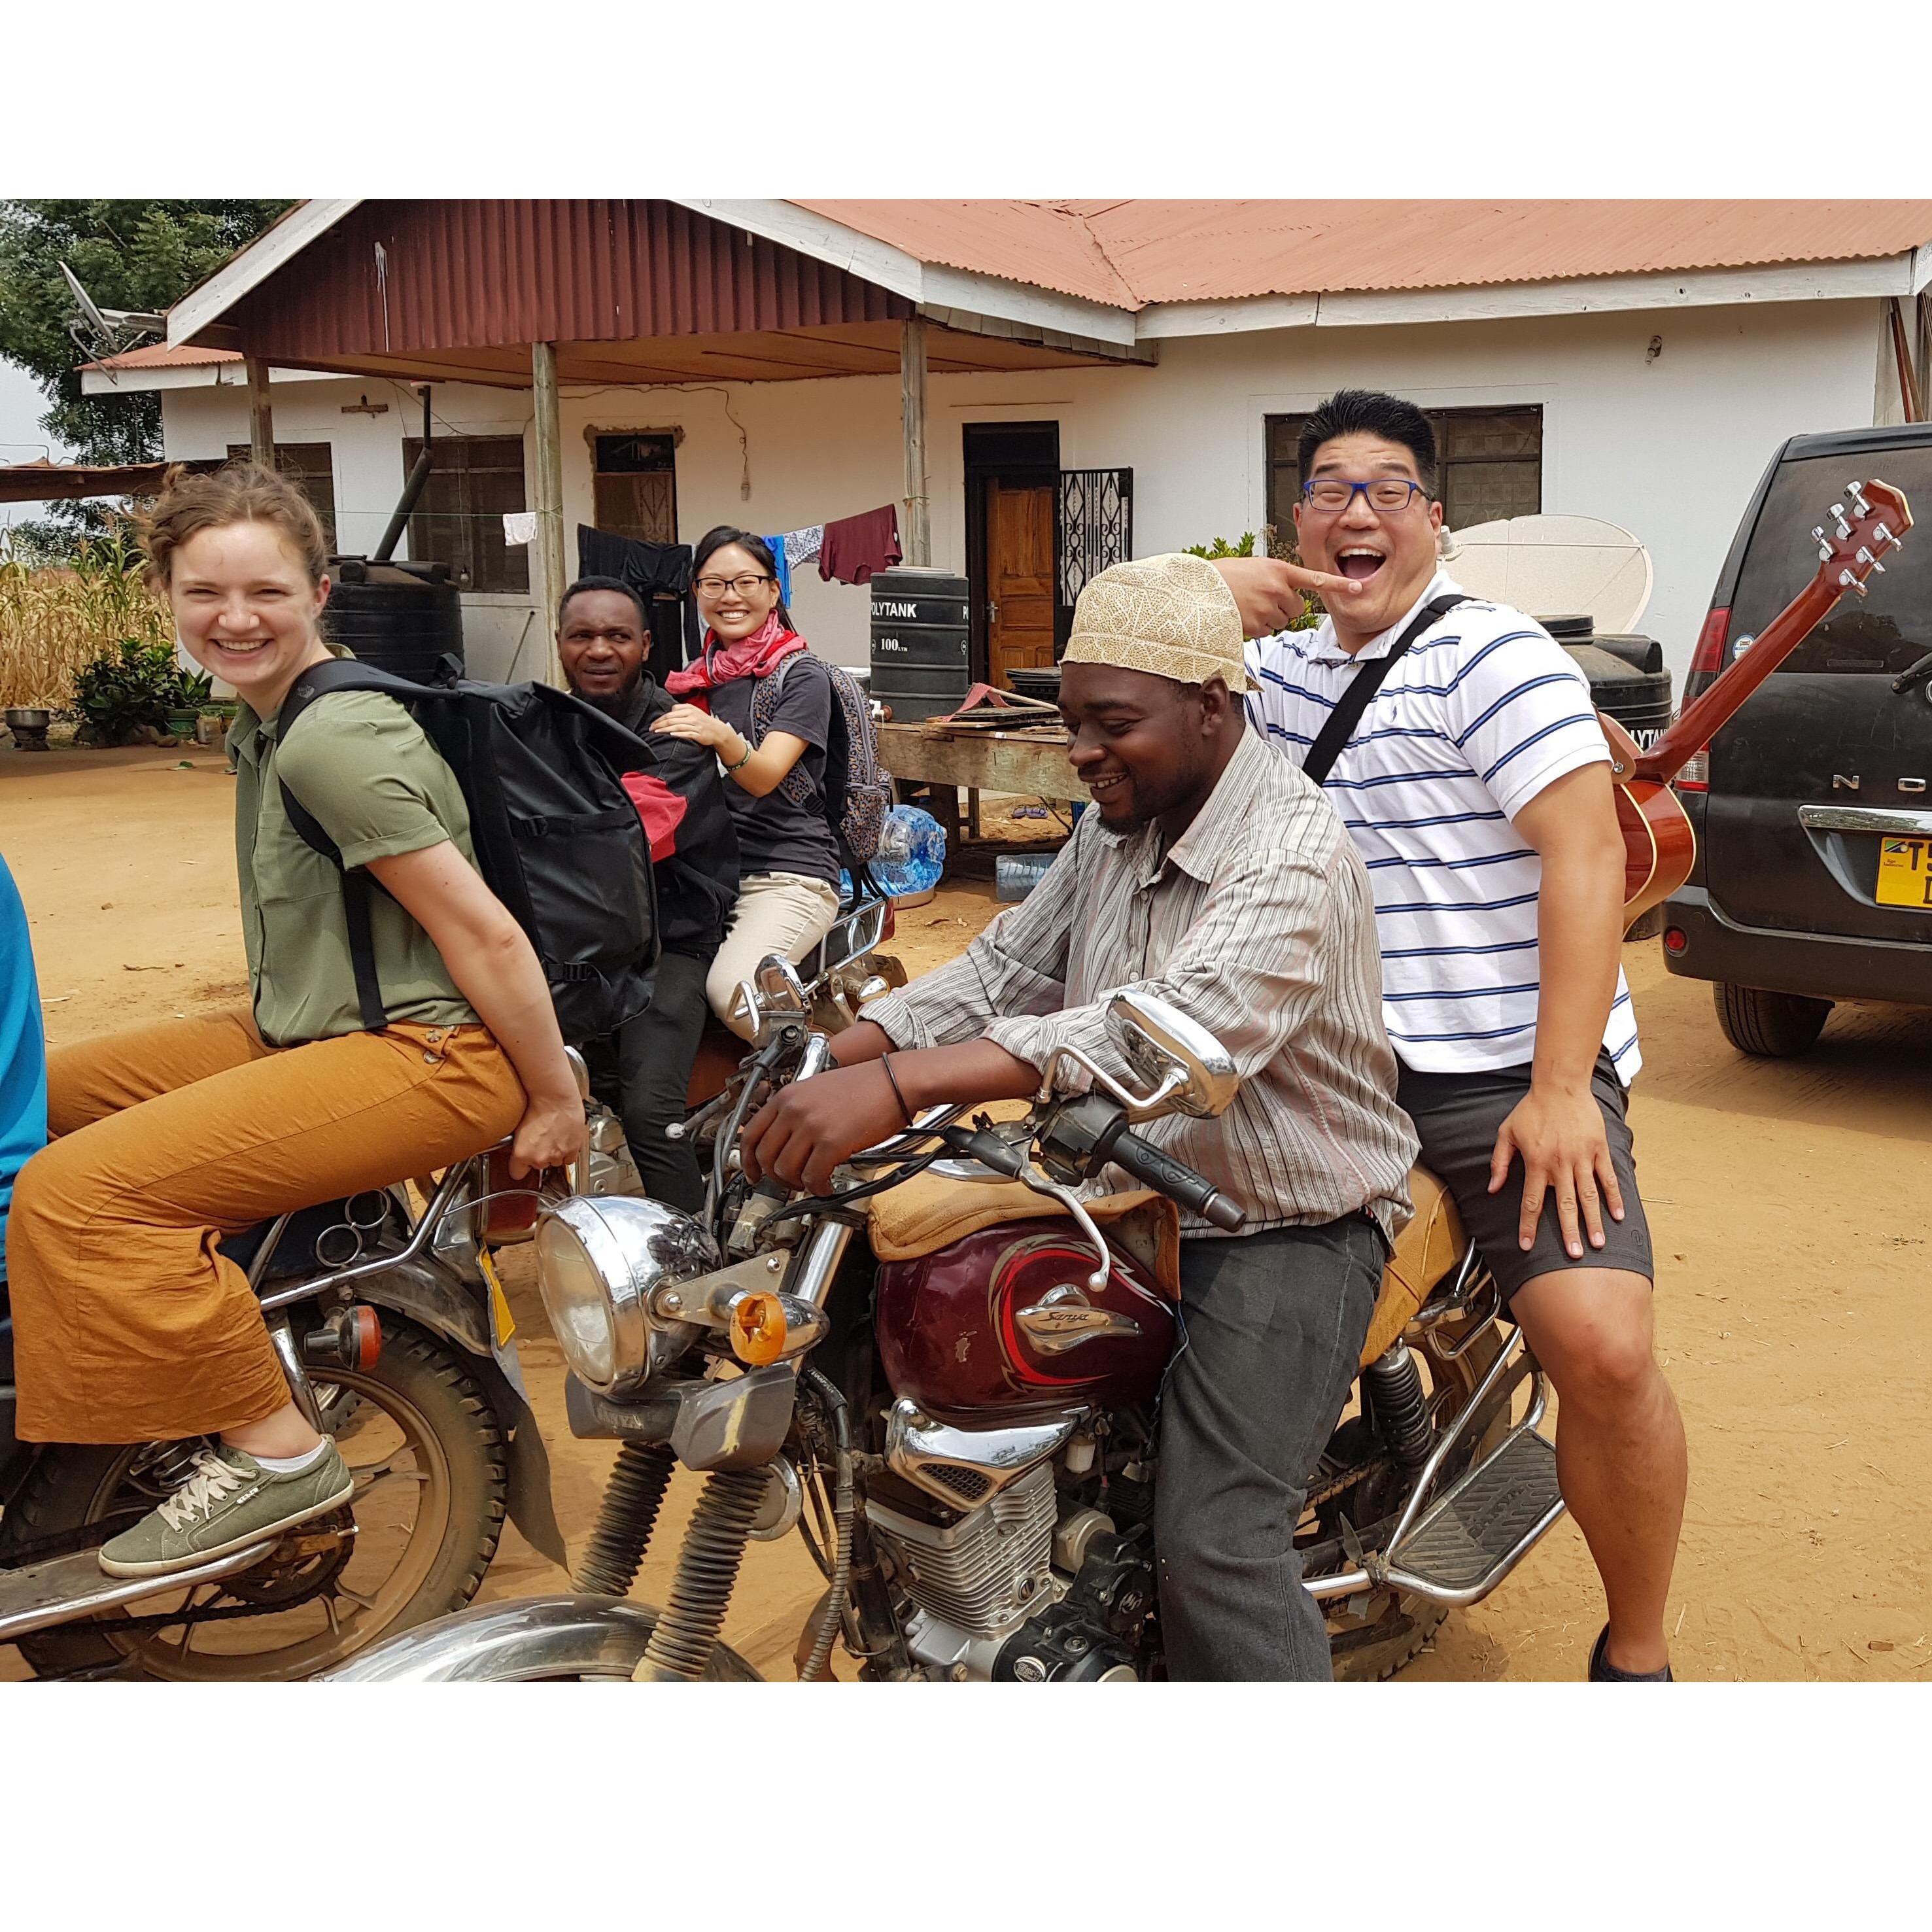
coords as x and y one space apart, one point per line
1175 1179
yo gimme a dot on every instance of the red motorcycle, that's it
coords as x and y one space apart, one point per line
945 1374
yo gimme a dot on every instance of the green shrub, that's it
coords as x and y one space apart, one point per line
1221 547
135 684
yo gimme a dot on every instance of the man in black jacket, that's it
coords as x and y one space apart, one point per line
603 638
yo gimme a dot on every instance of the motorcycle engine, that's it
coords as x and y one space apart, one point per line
1032 1586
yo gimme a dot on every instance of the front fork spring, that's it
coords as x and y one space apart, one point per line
626 1519
680 1647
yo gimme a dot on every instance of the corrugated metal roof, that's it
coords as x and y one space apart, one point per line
399 276
1133 253
159 355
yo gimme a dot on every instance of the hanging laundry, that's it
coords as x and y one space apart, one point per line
661 575
776 545
854 548
520 526
802 546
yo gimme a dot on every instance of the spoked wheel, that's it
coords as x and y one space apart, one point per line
1379 1631
431 1486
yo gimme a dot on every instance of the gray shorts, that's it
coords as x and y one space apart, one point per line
1457 1116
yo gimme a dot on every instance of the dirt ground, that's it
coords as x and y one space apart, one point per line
1785 1200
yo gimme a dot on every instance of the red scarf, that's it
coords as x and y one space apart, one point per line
757 655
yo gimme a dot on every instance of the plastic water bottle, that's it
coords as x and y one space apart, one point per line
911 853
1015 877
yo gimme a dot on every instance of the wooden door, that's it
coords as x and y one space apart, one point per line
1019 578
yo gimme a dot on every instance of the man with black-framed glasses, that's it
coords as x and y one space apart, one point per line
1458 742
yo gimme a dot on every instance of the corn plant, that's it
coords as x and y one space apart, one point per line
56 619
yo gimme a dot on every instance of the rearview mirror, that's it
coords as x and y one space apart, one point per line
1185 1067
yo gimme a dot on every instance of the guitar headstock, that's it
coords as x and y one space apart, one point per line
1871 520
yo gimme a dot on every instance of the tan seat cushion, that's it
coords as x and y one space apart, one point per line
1425 1251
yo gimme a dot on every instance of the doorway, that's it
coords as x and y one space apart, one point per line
1012 501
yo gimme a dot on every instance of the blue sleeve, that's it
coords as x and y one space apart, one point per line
23 1058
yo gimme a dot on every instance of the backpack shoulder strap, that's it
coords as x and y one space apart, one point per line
359 889
1342 721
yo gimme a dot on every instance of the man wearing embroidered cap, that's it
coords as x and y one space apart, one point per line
1215 876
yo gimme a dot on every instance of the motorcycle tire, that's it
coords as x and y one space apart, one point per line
419 1387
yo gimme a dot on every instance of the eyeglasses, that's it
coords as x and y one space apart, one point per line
715 587
1331 495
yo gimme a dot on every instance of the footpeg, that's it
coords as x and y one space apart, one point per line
1473 1535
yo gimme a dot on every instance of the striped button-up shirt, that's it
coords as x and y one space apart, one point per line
1257 922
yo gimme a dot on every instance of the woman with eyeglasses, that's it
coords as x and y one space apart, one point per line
760 700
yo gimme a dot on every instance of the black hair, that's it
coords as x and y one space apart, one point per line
756 547
1371 413
616 583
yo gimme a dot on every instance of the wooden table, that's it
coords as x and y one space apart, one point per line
1032 763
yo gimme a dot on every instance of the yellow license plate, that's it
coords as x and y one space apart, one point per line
502 1323
1905 873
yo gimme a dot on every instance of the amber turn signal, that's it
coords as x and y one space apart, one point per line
758 1329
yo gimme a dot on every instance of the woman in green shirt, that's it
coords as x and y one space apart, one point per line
131 1326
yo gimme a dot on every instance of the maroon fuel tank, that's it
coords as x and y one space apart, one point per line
1003 1319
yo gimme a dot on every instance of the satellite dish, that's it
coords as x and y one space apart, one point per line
1551 564
102 332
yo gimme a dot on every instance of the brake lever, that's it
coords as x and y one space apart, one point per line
1030 1176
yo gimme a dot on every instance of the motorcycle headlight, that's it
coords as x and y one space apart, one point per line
599 1260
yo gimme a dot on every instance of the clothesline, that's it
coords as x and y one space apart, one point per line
849 549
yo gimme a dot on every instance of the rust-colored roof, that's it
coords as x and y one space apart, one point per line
1131 254
159 355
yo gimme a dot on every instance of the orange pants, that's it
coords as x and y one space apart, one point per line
130 1326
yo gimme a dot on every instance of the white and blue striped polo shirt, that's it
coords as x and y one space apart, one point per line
1483 712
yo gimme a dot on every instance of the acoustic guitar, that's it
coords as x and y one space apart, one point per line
1659 848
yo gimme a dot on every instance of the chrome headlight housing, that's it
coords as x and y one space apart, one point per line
599 1262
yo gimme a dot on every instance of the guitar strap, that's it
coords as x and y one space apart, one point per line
1347 714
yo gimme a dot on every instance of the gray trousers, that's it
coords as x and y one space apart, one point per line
1273 1326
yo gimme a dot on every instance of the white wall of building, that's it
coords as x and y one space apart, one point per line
1670 447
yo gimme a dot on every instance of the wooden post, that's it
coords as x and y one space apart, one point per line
917 533
261 416
550 502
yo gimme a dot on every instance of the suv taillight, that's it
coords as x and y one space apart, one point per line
1708 659
1696 775
892 924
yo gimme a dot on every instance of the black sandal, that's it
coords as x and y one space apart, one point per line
1603 1671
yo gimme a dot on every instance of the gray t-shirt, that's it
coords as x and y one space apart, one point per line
776 833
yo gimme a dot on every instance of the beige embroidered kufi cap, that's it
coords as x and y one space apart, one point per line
1173 616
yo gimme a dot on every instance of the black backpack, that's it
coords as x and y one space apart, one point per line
557 838
858 791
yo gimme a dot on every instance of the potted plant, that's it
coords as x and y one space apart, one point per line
137 689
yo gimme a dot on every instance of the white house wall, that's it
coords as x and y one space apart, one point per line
1670 448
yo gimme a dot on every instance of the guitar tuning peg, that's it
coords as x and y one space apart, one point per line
1878 567
1818 534
1844 528
1824 550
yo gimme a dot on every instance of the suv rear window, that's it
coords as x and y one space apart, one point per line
1891 627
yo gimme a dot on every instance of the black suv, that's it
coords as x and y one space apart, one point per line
1813 805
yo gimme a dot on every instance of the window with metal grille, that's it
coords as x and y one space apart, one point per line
1488 465
313 466
458 519
1097 530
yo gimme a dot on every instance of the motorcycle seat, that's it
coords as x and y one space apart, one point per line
1432 1243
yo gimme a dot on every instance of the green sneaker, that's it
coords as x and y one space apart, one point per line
229 1502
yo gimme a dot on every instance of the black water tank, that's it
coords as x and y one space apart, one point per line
922 641
1640 700
1628 679
406 617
